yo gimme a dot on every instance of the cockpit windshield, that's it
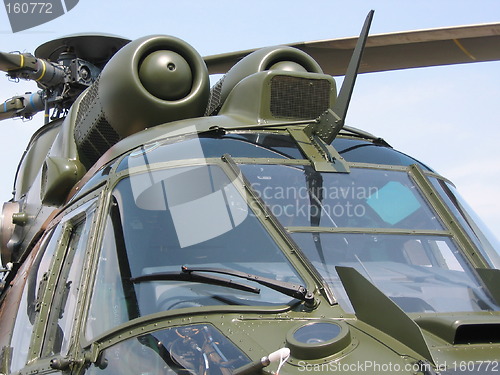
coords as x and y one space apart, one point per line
365 198
377 222
184 224
162 220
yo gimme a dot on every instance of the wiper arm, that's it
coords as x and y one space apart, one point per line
289 289
194 277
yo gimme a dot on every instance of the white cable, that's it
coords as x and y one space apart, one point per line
280 355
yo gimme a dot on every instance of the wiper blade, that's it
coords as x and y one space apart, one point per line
194 277
296 291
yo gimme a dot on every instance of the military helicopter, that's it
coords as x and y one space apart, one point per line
160 226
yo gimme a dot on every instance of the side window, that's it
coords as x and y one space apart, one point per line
30 302
485 241
108 306
63 307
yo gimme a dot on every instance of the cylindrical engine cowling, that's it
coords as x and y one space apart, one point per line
150 81
270 58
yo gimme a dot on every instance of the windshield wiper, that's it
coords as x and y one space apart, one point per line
194 277
289 289
191 274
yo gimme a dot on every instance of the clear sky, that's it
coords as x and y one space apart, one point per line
447 117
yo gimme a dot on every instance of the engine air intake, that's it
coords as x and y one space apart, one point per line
93 133
298 97
150 81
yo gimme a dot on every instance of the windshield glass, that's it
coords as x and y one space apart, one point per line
361 151
189 216
485 240
279 145
419 273
364 198
191 349
375 221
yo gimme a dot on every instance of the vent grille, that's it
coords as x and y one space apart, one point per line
100 139
89 99
215 102
93 133
478 334
298 97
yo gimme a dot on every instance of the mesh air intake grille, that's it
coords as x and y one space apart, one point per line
97 142
214 102
297 97
90 97
93 134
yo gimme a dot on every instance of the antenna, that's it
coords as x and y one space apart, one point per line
324 129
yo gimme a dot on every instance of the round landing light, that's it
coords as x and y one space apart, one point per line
318 339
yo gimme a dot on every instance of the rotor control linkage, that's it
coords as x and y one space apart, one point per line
51 77
61 81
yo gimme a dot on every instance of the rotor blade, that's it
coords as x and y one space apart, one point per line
15 61
412 49
11 108
27 66
22 106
